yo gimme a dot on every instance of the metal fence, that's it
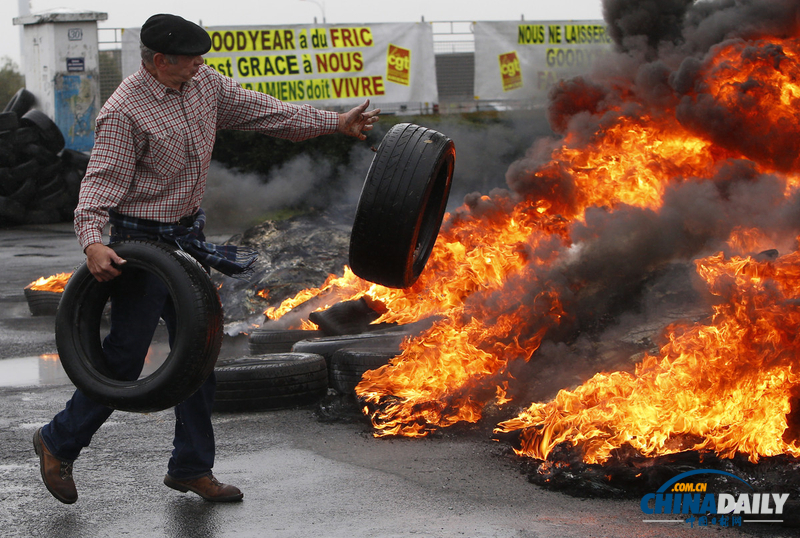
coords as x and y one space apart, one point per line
453 47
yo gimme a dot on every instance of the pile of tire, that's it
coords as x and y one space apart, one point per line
292 368
39 178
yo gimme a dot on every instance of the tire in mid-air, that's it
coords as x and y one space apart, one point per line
401 206
196 344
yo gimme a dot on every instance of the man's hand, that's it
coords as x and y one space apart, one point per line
101 260
356 121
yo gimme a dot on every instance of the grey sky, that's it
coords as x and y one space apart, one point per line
129 14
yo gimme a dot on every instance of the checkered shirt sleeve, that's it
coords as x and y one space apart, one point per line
153 144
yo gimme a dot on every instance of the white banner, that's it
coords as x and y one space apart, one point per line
323 64
522 60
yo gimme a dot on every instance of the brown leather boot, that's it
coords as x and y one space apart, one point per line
56 474
207 487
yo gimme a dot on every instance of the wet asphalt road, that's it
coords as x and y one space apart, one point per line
301 477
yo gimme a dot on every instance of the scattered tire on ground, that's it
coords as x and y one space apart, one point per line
274 381
262 341
402 204
328 345
348 365
195 347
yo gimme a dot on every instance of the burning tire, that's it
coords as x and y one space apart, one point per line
263 341
328 345
42 302
273 381
196 344
402 205
348 365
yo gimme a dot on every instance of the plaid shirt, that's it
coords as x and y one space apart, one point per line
153 144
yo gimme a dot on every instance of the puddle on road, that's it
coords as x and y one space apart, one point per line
47 369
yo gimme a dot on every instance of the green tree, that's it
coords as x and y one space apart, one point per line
11 80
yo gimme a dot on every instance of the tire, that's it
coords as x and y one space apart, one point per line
5 182
48 185
40 154
50 134
24 136
328 345
348 366
401 206
11 211
72 179
42 302
196 344
19 175
275 381
263 341
52 203
42 216
8 157
75 159
26 193
345 317
8 121
21 102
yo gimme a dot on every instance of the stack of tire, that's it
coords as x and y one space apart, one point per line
39 178
289 368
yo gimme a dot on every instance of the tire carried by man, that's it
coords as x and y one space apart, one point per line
402 204
142 182
195 347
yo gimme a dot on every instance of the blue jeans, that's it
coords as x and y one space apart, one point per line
138 300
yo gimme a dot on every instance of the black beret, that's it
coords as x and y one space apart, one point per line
170 34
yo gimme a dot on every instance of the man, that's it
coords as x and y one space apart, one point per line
147 175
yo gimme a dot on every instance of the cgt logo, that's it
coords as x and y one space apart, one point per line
398 65
510 71
684 497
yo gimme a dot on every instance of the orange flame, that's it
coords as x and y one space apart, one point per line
54 283
492 283
722 387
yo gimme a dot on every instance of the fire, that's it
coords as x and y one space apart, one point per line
54 283
506 273
722 387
